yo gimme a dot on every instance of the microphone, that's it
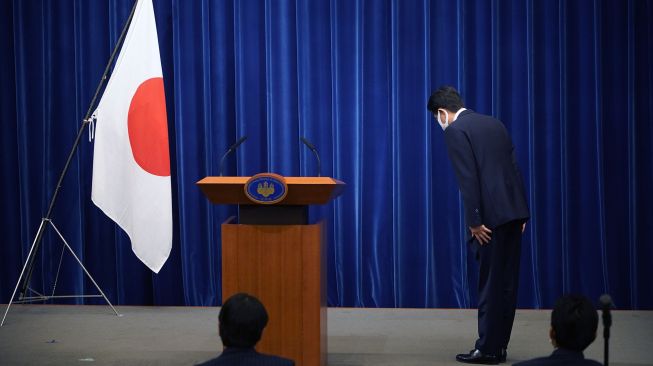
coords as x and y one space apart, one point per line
317 156
231 149
606 304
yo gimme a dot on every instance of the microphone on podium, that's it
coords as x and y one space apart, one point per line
231 149
317 156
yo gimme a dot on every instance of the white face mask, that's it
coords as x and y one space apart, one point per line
446 119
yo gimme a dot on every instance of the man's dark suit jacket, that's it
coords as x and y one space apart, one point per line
561 357
246 357
482 155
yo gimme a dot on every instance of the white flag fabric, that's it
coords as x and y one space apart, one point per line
131 158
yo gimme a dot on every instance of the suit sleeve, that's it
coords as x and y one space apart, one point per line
520 177
464 165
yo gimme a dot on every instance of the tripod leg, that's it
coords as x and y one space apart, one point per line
84 268
56 278
22 273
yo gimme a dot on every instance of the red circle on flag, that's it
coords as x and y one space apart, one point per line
148 128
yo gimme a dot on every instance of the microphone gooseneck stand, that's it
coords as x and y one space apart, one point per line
317 156
606 305
231 149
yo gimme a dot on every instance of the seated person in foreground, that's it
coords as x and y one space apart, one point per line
573 327
241 322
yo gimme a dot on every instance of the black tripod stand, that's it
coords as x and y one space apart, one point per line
28 267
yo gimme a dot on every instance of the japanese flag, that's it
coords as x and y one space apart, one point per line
131 159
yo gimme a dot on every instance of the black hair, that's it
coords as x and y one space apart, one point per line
242 319
446 97
574 321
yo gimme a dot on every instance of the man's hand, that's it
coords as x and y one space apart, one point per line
481 233
523 227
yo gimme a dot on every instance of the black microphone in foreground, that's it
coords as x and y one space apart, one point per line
606 304
317 156
231 149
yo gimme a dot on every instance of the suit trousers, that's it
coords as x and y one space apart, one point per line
498 281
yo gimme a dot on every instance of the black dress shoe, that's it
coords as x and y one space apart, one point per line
478 357
503 355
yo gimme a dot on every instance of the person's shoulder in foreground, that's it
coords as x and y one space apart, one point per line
574 321
242 319
247 357
561 357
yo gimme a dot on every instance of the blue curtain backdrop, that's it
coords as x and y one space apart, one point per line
572 81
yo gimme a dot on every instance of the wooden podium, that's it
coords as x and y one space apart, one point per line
272 252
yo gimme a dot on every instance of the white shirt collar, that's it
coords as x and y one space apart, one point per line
455 117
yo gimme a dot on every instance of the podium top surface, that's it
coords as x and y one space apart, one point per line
301 190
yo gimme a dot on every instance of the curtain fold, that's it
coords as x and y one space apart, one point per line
572 81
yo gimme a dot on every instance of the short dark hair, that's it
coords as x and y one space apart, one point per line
446 97
242 319
574 321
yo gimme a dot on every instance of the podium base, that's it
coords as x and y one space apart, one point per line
283 266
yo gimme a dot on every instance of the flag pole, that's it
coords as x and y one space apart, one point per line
28 267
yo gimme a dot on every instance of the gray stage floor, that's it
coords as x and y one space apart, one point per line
92 335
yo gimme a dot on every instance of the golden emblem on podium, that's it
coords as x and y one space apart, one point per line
266 188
